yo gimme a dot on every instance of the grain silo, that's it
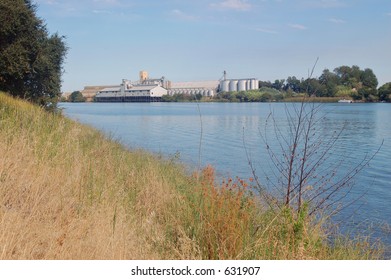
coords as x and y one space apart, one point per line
242 84
224 86
233 85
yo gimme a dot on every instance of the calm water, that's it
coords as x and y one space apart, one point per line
229 129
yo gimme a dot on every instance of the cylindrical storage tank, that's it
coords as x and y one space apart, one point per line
211 92
242 85
233 85
224 85
254 84
249 84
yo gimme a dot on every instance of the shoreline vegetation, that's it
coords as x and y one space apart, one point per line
69 192
344 83
238 97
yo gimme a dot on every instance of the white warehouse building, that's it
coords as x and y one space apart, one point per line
128 92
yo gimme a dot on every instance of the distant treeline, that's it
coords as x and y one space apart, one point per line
343 82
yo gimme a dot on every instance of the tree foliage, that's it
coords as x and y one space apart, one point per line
385 92
343 81
77 96
31 60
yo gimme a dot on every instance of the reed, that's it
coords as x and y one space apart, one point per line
69 192
312 99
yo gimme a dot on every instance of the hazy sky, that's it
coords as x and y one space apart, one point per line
192 40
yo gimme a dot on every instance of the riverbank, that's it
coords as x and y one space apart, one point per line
181 98
68 192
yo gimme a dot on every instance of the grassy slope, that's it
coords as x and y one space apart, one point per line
69 193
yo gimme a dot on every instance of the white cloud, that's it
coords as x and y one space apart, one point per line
107 2
325 4
269 31
239 5
102 12
182 15
337 20
297 26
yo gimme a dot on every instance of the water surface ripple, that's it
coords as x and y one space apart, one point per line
227 128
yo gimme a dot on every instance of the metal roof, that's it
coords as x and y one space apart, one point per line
111 89
142 87
196 84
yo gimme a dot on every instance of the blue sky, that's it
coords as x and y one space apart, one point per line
192 40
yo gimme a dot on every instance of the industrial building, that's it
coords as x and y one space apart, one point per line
128 92
152 90
238 85
227 85
205 88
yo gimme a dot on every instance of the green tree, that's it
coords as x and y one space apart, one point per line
368 79
242 96
77 96
362 82
278 84
31 60
265 84
369 85
385 92
349 76
292 83
167 98
330 81
312 86
227 96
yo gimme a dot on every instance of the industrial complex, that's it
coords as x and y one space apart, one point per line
151 90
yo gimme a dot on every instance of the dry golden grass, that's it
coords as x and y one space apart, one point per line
66 192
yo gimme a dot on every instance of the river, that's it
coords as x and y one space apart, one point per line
227 135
